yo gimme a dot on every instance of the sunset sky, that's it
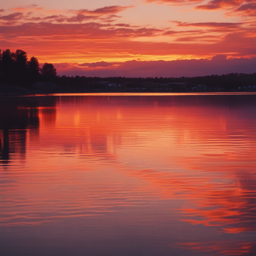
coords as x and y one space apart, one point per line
134 37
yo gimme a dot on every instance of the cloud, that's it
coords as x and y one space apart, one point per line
87 30
105 14
97 42
80 18
55 18
27 8
219 57
107 10
123 25
183 32
12 17
1 10
208 24
97 64
110 18
220 4
205 38
224 247
233 7
175 2
34 19
247 9
93 38
218 65
62 18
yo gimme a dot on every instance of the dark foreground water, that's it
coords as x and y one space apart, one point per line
128 175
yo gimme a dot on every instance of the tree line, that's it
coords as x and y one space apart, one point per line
16 68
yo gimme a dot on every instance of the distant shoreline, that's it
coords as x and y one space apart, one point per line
235 83
61 94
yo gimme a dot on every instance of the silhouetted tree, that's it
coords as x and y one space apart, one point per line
48 72
33 69
21 72
8 66
1 67
16 69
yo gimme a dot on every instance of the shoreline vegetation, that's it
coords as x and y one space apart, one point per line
20 76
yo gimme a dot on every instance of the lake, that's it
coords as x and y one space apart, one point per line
133 174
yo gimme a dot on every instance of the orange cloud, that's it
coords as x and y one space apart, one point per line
56 38
27 8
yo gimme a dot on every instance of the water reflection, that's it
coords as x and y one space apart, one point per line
140 175
17 116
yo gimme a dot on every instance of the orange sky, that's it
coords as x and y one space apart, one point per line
99 37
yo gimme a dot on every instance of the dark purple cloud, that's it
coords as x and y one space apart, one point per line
107 10
197 38
218 65
208 24
123 25
222 4
55 18
12 17
110 9
87 30
219 57
97 64
247 9
106 14
80 18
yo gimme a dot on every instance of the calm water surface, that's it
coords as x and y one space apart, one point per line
128 175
